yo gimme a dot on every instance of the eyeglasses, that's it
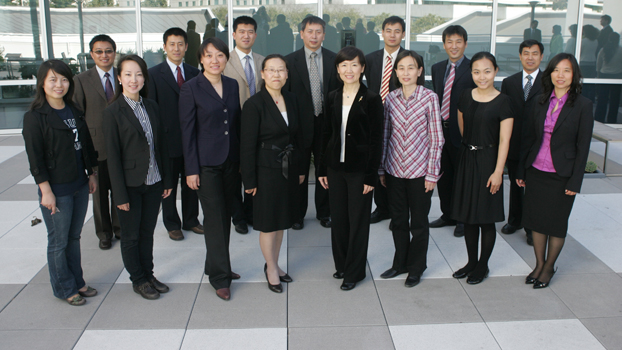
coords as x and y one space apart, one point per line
101 52
274 71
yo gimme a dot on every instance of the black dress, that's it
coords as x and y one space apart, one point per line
472 201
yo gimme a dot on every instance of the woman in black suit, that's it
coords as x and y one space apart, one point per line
270 149
555 149
138 168
351 151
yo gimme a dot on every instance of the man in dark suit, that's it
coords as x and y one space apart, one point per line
522 88
380 77
94 90
450 78
164 84
533 33
605 21
312 75
371 40
281 37
332 37
194 41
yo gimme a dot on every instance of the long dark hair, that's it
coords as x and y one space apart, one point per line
418 60
144 92
547 83
58 67
611 46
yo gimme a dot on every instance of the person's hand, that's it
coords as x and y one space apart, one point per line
383 180
252 191
494 182
48 200
367 189
92 183
193 181
301 179
323 181
520 183
429 186
124 207
167 193
570 193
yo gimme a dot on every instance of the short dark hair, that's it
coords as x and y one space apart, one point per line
606 18
102 37
312 20
58 67
547 83
144 92
175 31
218 44
484 55
346 21
455 29
349 53
244 20
393 20
192 24
591 32
535 22
418 60
529 43
280 18
371 25
271 56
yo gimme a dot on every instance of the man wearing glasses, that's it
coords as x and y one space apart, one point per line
94 90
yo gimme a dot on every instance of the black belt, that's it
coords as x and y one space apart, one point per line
477 148
446 124
284 157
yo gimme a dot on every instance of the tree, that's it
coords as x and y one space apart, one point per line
560 4
221 13
154 3
425 23
62 3
99 3
8 3
378 20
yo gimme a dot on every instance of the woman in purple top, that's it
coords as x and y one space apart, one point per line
553 156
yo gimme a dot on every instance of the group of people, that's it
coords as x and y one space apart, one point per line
257 121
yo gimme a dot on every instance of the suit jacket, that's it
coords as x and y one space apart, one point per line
603 36
299 83
462 81
235 70
265 135
164 90
363 146
89 96
373 71
209 123
570 140
537 35
513 87
281 39
128 149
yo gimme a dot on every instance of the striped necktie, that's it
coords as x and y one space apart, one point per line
316 89
528 86
447 92
386 78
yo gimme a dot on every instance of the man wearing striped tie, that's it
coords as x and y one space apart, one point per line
450 78
380 77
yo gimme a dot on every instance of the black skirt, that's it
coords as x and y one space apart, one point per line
546 205
274 205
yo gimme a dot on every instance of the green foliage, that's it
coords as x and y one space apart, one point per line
293 14
426 23
154 3
62 3
9 3
378 19
591 167
2 49
100 3
221 13
337 12
560 4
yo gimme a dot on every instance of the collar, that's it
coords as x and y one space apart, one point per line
133 104
458 62
173 67
101 73
554 98
386 53
308 52
241 54
533 75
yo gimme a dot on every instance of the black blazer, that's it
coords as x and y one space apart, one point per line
570 141
210 126
50 145
164 90
128 150
513 87
462 81
299 83
373 71
363 135
265 135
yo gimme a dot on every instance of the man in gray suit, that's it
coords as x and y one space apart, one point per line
244 66
94 90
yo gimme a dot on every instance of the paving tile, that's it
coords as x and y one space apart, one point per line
312 235
20 193
360 338
590 295
311 263
252 305
608 251
12 213
443 336
7 151
21 265
598 186
380 259
615 181
25 311
607 330
175 265
131 339
13 170
170 311
322 303
28 180
8 292
233 339
546 334
609 203
39 339
432 301
13 140
249 261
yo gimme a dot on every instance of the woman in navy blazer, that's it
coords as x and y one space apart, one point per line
209 114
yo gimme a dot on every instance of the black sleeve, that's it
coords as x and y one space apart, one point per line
35 147
251 120
115 154
376 118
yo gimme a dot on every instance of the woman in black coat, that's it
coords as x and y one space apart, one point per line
348 168
269 154
553 157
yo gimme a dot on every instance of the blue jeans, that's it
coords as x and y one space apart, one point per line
64 230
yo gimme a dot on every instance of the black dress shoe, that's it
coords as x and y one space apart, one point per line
235 276
440 222
159 286
338 275
530 280
529 238
286 278
325 222
537 284
298 225
509 229
277 288
105 244
147 291
241 228
412 280
347 286
477 279
462 273
390 273
377 216
459 230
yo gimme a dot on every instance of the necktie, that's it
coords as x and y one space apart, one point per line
447 92
316 90
180 78
109 91
528 86
250 77
386 77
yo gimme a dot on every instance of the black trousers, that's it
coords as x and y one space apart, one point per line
449 165
407 197
189 201
104 210
515 214
216 193
138 225
381 199
350 223
242 205
322 205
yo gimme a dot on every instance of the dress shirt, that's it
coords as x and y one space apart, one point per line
345 111
413 135
153 174
242 57
384 60
284 114
318 61
458 63
174 69
544 161
101 73
533 77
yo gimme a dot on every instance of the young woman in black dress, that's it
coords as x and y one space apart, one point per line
485 121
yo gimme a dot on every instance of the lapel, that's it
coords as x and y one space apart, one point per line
52 118
258 79
95 81
234 61
354 107
563 115
300 63
536 88
464 67
377 71
153 119
439 80
190 71
168 76
272 109
327 68
207 87
128 113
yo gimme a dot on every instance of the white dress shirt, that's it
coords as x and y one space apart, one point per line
533 77
101 73
242 57
173 67
345 110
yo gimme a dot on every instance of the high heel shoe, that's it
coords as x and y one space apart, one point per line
277 288
539 284
530 280
476 280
